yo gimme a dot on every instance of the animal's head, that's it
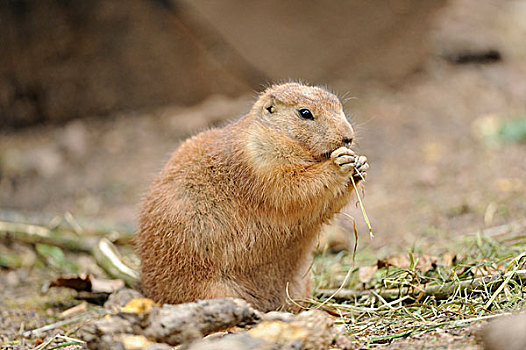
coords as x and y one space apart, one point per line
308 116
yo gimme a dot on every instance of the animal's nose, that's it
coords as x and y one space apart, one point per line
347 141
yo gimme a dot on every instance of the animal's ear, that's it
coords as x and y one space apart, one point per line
270 105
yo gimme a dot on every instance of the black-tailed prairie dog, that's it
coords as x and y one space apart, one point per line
236 210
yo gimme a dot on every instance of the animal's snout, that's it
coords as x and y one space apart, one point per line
346 131
347 135
347 140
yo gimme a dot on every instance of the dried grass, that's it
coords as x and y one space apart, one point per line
373 316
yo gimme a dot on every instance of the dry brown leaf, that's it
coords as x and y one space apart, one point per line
135 341
480 271
449 259
86 283
366 273
484 268
426 262
139 306
79 283
402 261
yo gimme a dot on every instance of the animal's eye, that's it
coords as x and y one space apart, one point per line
306 114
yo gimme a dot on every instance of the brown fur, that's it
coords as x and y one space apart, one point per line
236 210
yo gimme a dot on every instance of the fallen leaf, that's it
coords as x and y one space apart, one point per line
366 273
489 269
86 283
138 306
483 268
424 263
78 282
135 342
52 254
449 259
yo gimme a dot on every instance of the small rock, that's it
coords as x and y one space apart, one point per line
121 298
505 333
278 316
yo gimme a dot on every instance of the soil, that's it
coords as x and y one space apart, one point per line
432 176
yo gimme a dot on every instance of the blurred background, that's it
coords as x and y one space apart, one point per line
95 95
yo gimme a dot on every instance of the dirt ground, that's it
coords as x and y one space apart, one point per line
433 176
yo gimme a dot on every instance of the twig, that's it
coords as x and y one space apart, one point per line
75 310
435 290
171 324
108 257
56 325
70 339
34 234
117 232
102 249
43 345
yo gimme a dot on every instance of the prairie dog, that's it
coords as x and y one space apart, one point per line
236 210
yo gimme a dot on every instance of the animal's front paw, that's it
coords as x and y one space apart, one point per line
345 159
360 168
350 164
